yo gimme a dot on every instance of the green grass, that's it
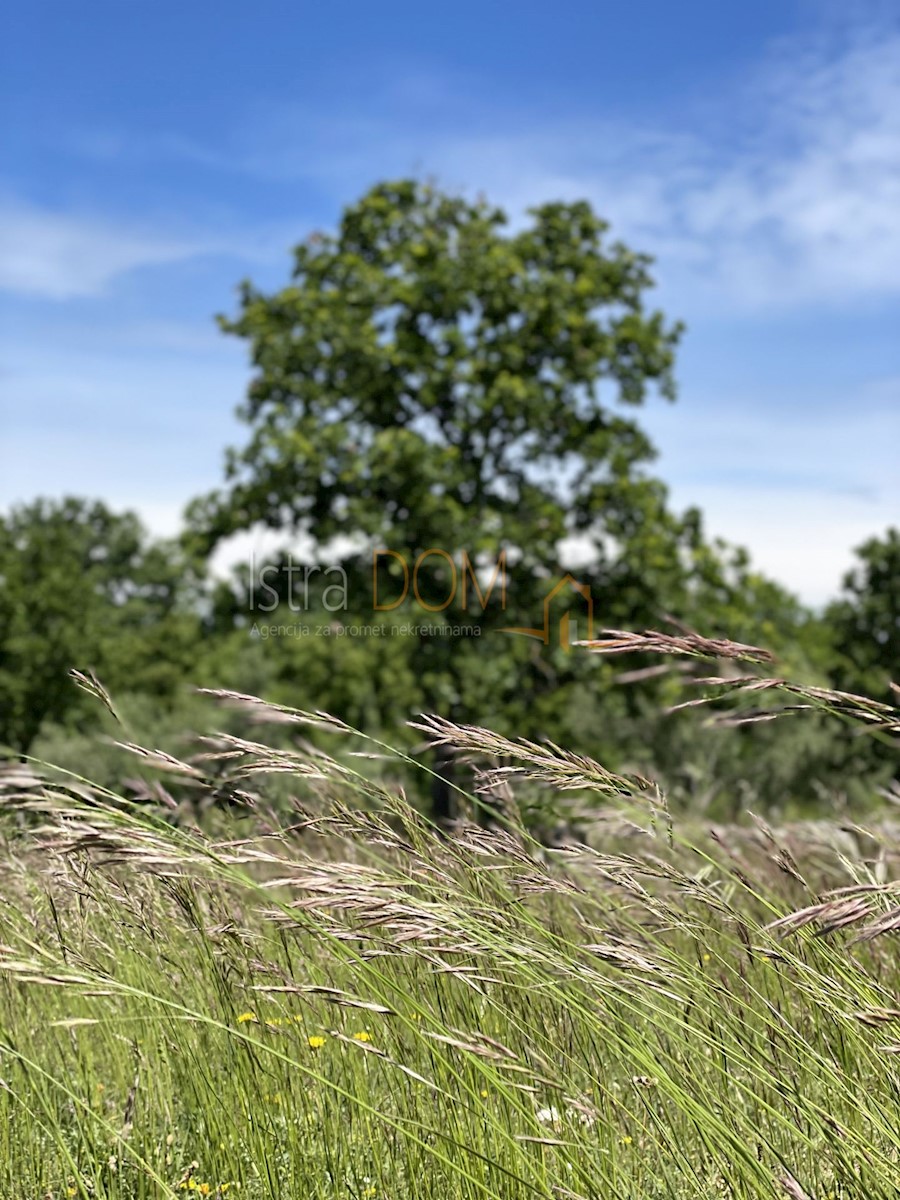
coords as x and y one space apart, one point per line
344 1003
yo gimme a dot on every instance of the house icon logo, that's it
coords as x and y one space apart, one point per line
566 623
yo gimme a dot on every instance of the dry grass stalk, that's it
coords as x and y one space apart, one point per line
618 641
541 762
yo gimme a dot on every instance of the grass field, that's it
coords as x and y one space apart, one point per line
342 1002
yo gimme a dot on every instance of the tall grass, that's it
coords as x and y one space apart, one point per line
348 1003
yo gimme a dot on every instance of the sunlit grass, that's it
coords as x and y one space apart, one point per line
348 1004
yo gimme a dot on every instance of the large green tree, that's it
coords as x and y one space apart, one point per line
430 379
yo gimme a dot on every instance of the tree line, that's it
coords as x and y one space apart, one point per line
439 389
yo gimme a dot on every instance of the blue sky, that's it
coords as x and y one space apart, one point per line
153 155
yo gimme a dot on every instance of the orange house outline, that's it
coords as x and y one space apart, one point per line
543 635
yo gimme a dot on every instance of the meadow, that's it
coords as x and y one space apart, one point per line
337 999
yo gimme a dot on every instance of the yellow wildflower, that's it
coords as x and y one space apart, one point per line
626 1140
363 1036
245 1017
316 1042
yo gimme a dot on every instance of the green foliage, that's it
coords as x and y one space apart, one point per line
85 587
429 381
426 377
866 619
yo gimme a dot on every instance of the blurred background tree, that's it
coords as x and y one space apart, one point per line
83 586
428 381
865 620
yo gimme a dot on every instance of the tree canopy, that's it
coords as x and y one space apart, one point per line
430 379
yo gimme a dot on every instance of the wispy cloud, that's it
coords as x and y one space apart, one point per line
64 256
793 199
801 491
60 256
781 190
807 207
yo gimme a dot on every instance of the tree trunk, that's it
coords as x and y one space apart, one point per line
443 799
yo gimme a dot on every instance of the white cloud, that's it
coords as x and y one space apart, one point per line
63 256
59 256
800 493
810 211
804 541
792 199
781 190
141 429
